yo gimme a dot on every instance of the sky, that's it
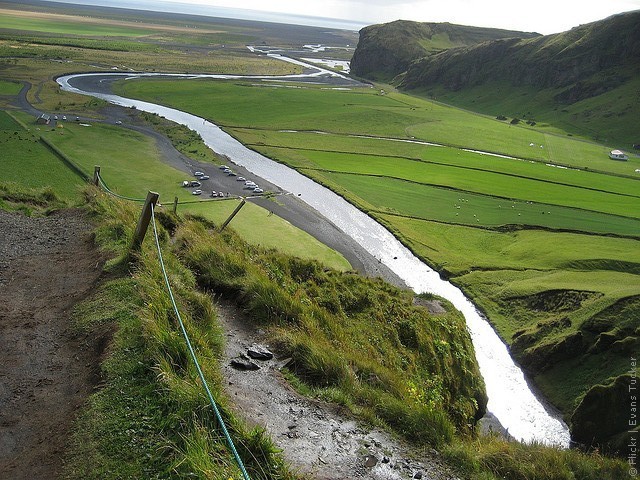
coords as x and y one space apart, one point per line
542 16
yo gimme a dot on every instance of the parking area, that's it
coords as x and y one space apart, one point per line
224 181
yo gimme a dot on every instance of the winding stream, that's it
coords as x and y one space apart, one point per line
511 400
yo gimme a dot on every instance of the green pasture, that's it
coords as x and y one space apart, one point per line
461 249
399 157
364 111
70 27
389 195
607 117
257 227
129 161
28 162
9 88
130 166
497 184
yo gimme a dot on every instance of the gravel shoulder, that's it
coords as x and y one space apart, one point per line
47 265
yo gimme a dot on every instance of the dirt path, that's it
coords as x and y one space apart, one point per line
46 266
316 438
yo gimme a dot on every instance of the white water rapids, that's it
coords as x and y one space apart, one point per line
511 400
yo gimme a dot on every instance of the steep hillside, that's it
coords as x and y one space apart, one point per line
557 79
387 50
565 59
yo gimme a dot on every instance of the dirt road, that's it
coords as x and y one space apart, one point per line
46 372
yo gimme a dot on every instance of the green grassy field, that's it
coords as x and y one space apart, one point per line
365 112
28 162
612 118
504 229
131 166
9 88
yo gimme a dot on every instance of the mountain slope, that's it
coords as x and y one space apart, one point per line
387 50
565 72
559 60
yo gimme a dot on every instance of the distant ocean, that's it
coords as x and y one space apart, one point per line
225 12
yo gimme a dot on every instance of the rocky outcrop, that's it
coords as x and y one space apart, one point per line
387 50
588 60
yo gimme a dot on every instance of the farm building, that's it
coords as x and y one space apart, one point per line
43 119
618 155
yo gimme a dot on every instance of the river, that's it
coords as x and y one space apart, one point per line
511 400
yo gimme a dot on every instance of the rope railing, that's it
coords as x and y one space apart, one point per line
192 352
117 195
151 204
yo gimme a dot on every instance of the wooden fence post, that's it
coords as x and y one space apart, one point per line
96 175
233 214
175 205
143 221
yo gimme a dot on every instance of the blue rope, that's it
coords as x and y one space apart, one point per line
193 355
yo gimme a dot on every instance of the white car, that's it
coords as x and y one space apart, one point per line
203 177
198 174
258 190
223 167
241 179
186 183
196 192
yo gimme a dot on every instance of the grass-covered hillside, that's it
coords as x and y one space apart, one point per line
584 80
387 50
354 341
540 229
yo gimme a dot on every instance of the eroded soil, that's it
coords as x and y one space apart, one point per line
47 265
317 439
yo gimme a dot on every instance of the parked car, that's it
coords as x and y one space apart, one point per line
118 122
258 190
214 193
241 179
203 177
64 117
195 183
198 174
196 192
232 174
186 183
223 167
220 194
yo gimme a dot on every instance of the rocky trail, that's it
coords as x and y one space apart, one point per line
47 265
317 439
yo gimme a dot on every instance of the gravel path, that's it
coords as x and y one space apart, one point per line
316 438
47 265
